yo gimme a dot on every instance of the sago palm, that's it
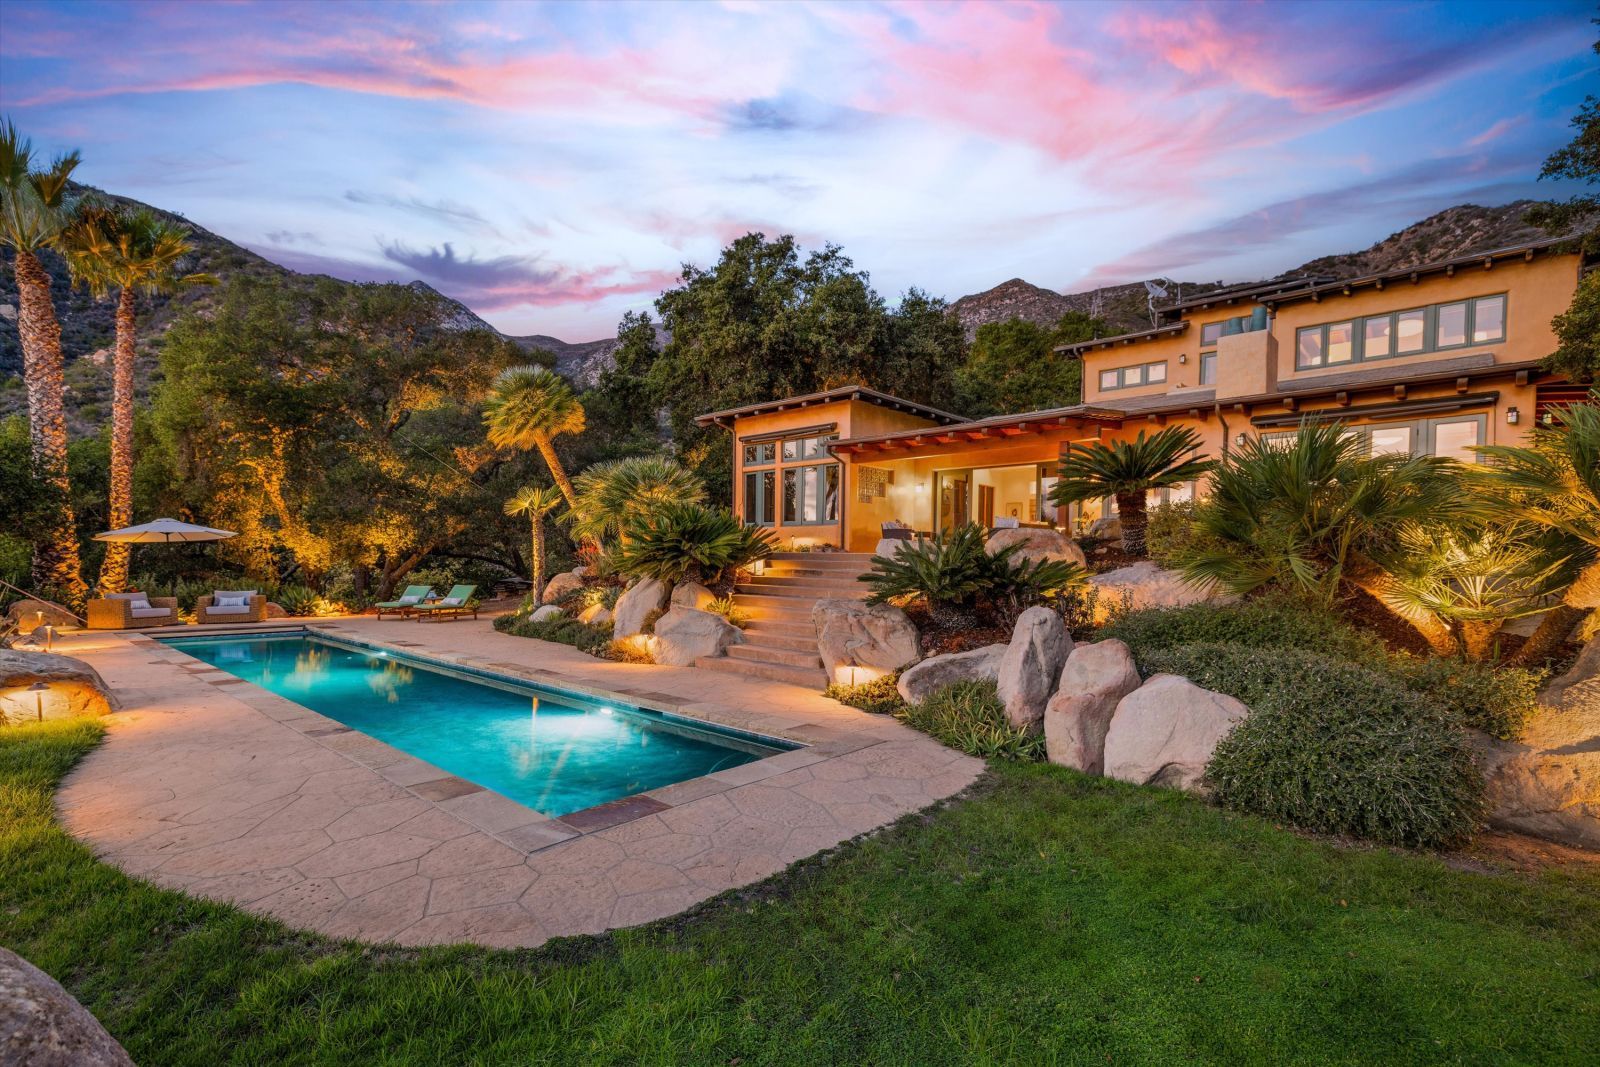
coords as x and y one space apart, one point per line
1319 512
33 214
613 494
1554 482
126 252
535 501
690 542
1126 471
529 407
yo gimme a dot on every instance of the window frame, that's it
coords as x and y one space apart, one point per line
792 515
1208 368
752 511
771 449
1430 332
1122 376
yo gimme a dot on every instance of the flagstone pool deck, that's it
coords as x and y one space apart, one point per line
213 786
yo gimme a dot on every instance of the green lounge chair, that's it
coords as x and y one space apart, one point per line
458 602
406 603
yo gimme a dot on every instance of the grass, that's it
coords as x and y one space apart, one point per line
1051 917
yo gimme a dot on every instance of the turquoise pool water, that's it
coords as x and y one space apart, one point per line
556 752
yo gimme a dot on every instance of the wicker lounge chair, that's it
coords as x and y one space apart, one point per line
212 609
406 603
458 602
130 611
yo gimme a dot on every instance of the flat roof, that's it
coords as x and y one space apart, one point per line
829 396
1526 250
1171 329
1248 290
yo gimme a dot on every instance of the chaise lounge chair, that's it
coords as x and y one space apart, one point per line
406 603
129 611
460 601
231 605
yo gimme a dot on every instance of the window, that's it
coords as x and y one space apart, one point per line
759 500
1481 320
806 447
1455 438
811 494
1209 333
1452 437
1386 440
761 455
1452 329
1208 369
1127 377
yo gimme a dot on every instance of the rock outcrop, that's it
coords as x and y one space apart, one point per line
42 1025
561 586
1163 733
29 615
74 687
1095 678
691 595
936 672
635 605
593 615
541 614
1032 665
855 633
1037 544
1146 585
683 635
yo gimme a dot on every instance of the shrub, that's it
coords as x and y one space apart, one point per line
297 600
1277 622
1172 535
626 650
1496 700
582 636
878 696
954 572
970 716
724 606
1334 747
688 542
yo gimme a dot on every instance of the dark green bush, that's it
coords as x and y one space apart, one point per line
565 631
1335 747
1172 535
969 716
1275 622
878 696
1497 700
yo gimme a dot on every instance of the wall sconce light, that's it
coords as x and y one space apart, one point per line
1240 439
1183 358
1512 415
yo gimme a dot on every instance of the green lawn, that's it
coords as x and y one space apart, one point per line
1051 918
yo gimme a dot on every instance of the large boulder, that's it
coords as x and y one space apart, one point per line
636 604
562 586
542 614
692 595
1146 585
936 672
1106 529
276 611
1549 784
29 615
1037 544
853 633
1031 666
593 615
1096 677
42 1025
683 635
75 688
1163 733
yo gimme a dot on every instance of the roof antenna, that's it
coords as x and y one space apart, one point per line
1153 289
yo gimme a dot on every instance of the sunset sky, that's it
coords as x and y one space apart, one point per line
553 165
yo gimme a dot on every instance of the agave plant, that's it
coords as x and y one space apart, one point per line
690 542
1126 471
1553 482
1321 512
612 495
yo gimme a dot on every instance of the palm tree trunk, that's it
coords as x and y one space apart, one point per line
1133 517
1477 637
557 471
114 571
55 553
1430 626
1581 597
538 558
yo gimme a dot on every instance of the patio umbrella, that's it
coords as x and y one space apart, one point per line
164 531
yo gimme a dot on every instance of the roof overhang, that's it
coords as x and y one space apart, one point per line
998 428
729 416
1080 347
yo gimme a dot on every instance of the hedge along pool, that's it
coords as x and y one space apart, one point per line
553 750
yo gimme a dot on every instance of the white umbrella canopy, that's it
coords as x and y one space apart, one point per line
164 531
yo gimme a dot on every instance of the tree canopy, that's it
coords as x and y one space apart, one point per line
1013 366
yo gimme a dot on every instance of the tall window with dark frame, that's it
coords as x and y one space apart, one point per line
1435 328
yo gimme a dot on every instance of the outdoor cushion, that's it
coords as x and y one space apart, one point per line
220 593
408 600
230 609
148 612
138 603
127 596
223 601
449 602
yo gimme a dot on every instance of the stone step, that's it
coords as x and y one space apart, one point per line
809 677
800 642
776 605
782 627
838 574
815 588
756 654
862 559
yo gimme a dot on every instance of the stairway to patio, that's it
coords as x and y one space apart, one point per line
780 642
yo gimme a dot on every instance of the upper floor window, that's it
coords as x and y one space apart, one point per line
1208 368
1139 374
1481 320
762 455
806 447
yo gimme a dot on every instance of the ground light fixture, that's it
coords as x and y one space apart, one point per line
39 689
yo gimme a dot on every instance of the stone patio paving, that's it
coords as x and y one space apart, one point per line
211 785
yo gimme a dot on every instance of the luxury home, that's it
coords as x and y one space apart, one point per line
1434 359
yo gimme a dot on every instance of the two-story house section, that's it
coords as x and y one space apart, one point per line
1433 359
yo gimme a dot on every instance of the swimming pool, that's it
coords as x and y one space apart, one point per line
553 750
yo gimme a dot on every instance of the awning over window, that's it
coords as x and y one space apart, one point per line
781 435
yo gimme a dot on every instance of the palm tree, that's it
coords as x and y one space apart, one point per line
129 251
535 501
32 217
1126 471
614 494
1320 512
1554 482
529 407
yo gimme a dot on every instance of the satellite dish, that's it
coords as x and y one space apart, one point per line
1155 288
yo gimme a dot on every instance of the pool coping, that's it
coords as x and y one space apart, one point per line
506 820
